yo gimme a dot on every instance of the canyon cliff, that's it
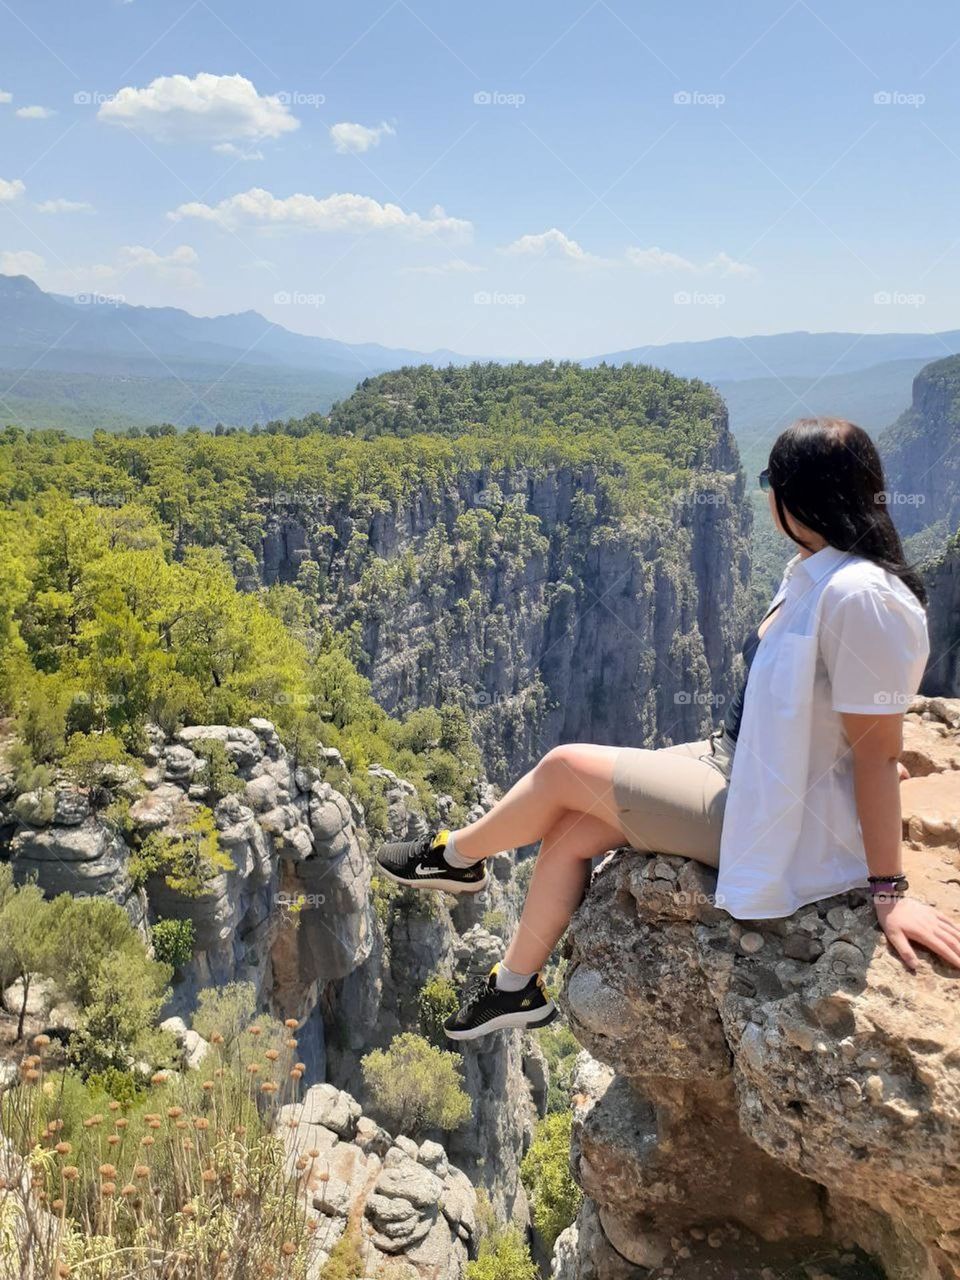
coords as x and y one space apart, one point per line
520 594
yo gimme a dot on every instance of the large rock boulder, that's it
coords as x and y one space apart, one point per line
785 1079
411 1212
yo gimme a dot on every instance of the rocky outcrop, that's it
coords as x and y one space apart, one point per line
527 597
921 452
942 579
291 916
768 1090
412 1214
424 937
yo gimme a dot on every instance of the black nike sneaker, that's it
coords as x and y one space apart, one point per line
420 864
486 1008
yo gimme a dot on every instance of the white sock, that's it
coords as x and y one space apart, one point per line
507 980
454 859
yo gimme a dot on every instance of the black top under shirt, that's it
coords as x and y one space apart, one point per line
731 721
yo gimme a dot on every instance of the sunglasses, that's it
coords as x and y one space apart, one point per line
765 479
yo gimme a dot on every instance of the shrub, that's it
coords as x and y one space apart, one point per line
24 940
545 1172
503 1256
117 1025
495 922
438 1000
187 861
220 774
88 754
560 1048
346 1260
416 1085
173 942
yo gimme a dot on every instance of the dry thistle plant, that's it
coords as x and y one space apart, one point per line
186 1178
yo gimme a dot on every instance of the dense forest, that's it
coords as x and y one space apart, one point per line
121 554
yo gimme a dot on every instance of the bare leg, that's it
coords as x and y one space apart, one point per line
557 886
577 777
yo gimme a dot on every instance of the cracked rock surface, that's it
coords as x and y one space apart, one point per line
786 1080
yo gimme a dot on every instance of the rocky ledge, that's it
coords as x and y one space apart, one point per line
410 1213
772 1094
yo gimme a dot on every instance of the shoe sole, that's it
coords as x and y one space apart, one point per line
448 886
507 1022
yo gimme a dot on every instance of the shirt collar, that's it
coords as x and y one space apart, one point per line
820 564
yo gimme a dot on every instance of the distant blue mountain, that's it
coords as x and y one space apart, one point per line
78 365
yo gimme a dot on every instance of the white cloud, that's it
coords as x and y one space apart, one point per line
657 259
10 190
241 153
176 267
453 267
35 113
337 212
21 262
358 137
5 97
208 109
727 266
64 206
661 260
554 244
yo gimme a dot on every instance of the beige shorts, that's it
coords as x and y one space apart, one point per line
671 800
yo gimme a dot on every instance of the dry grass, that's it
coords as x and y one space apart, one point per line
187 1179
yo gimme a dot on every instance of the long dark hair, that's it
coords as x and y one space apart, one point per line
827 474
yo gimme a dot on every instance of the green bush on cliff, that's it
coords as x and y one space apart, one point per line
415 1086
173 942
503 1255
90 953
437 1001
187 861
545 1172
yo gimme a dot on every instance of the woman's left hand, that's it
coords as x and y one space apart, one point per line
907 920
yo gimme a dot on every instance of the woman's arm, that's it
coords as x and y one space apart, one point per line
876 742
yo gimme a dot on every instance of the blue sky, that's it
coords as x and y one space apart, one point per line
544 178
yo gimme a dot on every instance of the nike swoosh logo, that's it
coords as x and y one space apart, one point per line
421 870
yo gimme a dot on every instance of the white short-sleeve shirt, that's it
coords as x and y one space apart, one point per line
849 637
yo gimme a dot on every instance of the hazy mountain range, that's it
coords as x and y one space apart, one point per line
79 364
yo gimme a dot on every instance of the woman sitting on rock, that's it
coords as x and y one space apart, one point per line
795 796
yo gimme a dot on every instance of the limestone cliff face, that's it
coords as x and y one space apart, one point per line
522 595
773 1091
942 579
921 451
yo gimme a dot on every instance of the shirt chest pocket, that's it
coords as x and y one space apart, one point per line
791 673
